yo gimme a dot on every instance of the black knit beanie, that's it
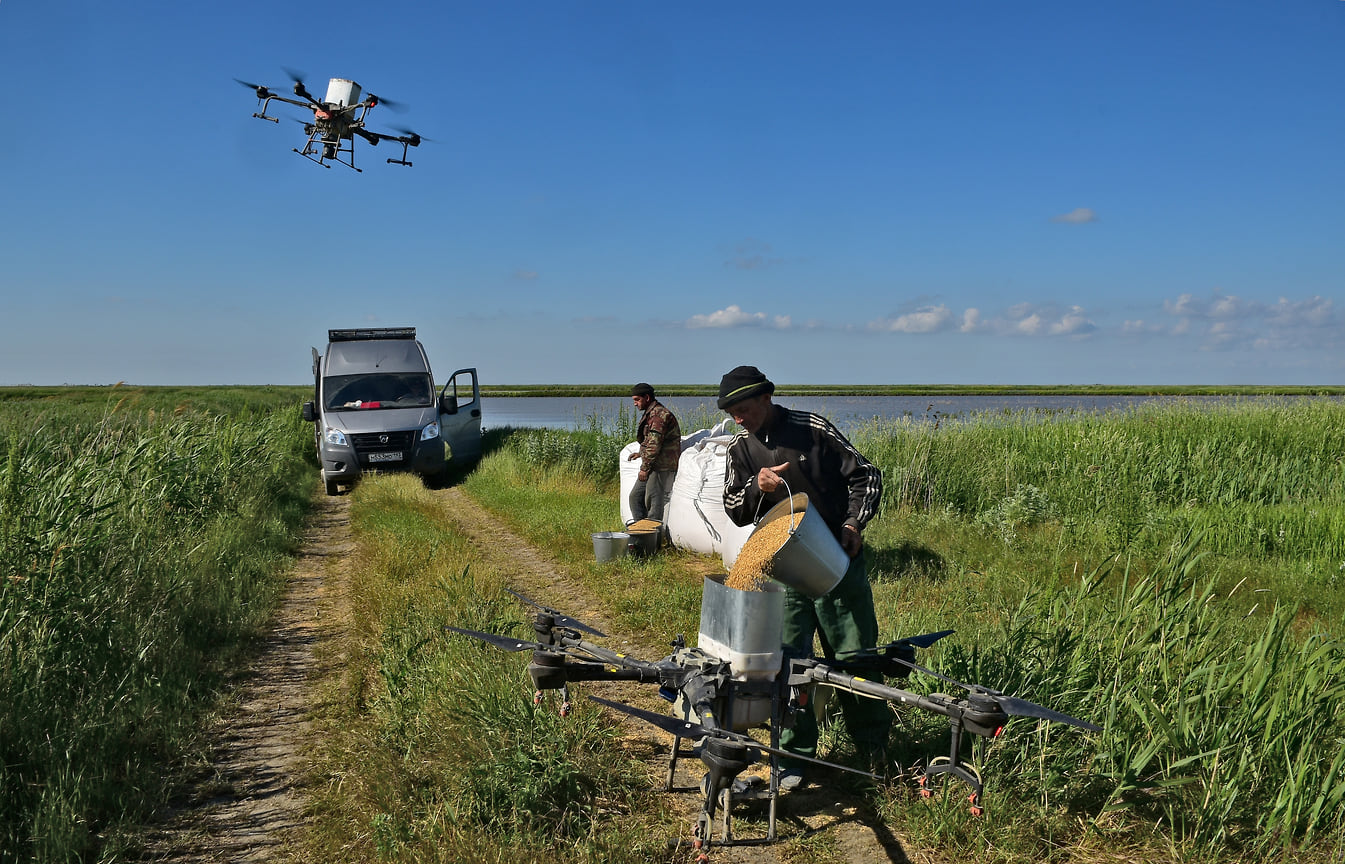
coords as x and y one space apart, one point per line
744 382
642 389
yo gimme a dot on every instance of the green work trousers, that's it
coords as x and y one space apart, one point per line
844 621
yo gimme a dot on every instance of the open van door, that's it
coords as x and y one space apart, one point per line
460 416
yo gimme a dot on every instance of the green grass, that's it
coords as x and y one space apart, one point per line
441 752
1170 573
142 549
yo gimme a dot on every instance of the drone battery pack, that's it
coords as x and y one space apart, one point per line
743 628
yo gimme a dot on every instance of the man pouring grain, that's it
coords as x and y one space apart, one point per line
780 451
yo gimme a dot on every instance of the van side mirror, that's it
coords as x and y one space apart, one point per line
447 404
309 414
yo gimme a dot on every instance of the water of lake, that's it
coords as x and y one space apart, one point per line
847 412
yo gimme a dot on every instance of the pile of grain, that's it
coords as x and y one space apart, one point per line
752 569
644 525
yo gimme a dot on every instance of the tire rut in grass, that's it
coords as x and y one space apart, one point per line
245 805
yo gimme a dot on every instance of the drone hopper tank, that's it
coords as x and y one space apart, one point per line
744 628
342 92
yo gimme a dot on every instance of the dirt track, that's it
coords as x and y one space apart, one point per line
245 806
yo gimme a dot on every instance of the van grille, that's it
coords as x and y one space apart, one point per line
383 442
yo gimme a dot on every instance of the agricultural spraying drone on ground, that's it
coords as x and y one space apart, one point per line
719 691
337 120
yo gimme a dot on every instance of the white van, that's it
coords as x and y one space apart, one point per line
374 408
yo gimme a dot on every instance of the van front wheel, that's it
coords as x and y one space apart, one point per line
332 487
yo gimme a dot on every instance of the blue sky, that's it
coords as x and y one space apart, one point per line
858 192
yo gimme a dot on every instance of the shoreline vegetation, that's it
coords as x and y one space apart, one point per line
707 390
496 391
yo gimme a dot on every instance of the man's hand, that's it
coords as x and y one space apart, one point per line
643 476
635 455
769 479
851 540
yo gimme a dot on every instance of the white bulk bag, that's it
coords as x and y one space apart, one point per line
695 516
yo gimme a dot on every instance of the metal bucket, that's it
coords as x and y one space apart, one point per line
610 545
810 560
642 544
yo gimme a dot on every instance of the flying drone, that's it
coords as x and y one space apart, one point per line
337 121
719 692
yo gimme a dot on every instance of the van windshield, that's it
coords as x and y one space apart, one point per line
365 392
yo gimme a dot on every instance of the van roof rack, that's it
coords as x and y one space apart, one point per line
358 334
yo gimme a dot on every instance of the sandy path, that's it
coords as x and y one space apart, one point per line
245 806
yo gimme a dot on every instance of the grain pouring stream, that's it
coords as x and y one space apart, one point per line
752 568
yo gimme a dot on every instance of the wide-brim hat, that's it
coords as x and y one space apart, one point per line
743 382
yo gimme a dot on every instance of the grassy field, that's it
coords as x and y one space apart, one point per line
145 534
1174 574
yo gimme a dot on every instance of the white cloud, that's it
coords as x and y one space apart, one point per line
1316 312
1183 306
1072 323
1228 321
1032 319
925 319
1021 319
734 316
1219 305
1028 325
1077 216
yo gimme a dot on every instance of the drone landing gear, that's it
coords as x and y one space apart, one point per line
401 161
724 760
953 766
319 150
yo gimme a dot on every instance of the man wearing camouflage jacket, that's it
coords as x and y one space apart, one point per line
660 440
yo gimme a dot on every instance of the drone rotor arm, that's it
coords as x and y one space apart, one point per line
696 731
1010 705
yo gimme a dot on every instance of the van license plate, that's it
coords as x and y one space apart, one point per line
385 457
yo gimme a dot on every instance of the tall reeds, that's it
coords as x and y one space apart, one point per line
138 553
1154 571
1263 475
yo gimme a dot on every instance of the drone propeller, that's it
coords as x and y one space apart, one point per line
505 643
874 660
299 89
398 107
409 138
261 91
561 619
1011 705
923 641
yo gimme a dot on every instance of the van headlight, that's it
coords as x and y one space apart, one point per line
430 432
335 436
